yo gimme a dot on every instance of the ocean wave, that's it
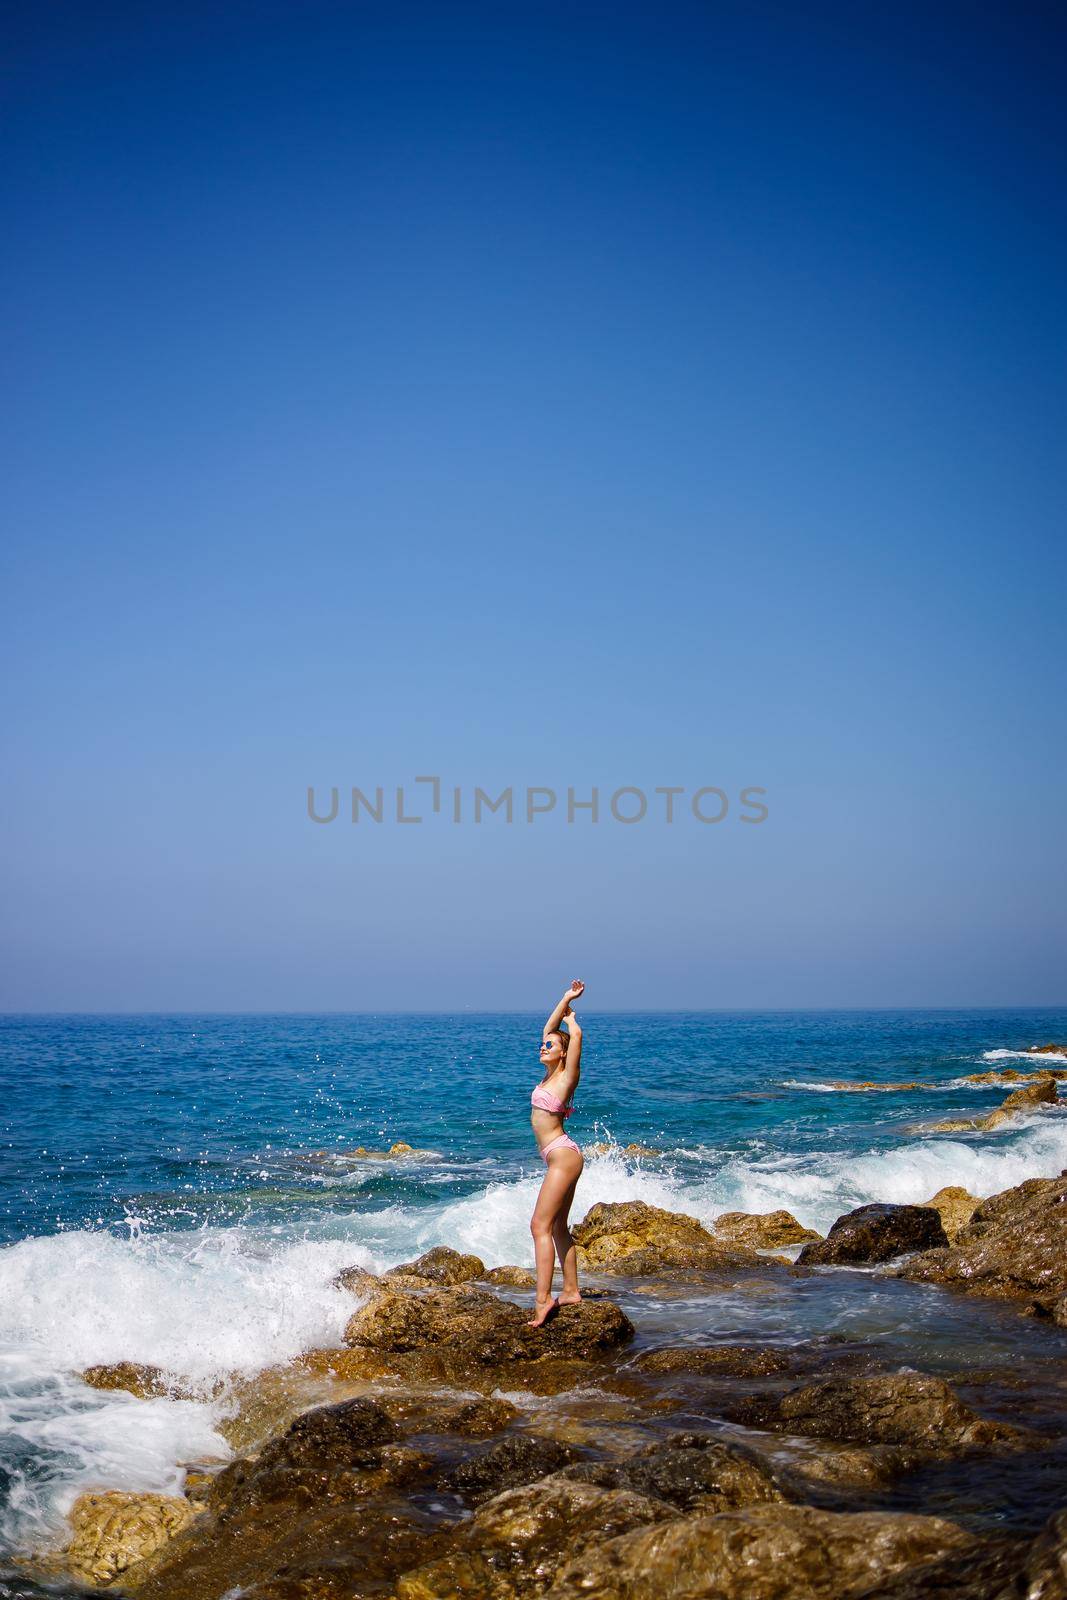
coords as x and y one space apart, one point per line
1033 1056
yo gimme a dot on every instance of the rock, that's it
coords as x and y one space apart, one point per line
875 1233
514 1545
358 1281
1042 1091
604 1148
1048 1050
768 1230
691 1471
428 1412
893 1409
1009 1075
439 1266
147 1383
851 1467
481 1329
1015 1246
515 1460
633 1238
1045 1565
986 1571
717 1360
768 1552
955 1207
512 1277
868 1086
114 1532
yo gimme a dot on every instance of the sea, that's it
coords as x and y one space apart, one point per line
182 1190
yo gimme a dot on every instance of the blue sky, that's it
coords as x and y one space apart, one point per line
544 395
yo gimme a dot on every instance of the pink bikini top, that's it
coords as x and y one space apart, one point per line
545 1100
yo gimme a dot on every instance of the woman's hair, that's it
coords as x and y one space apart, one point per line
565 1039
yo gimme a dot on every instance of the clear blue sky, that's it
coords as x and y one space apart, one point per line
544 394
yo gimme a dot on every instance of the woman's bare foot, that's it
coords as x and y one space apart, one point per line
566 1299
543 1309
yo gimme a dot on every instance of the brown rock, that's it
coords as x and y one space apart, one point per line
955 1207
867 1086
437 1268
875 1233
1045 1565
1015 1246
512 1277
717 1360
483 1330
1010 1075
515 1544
773 1552
430 1412
515 1460
147 1383
603 1148
358 1281
1042 1091
768 1230
114 1532
637 1239
1047 1050
893 1409
689 1470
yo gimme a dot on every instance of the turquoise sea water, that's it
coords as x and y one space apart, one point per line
181 1190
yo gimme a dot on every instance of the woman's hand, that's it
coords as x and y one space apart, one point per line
575 992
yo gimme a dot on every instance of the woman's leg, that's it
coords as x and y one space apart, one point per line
564 1243
563 1169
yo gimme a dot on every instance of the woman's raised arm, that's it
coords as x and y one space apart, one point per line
575 992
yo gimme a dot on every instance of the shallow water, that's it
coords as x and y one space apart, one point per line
176 1190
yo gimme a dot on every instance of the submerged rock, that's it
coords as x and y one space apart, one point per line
439 1266
893 1409
604 1148
1015 1246
429 1412
770 1552
1010 1075
633 1238
955 1206
113 1533
768 1230
876 1233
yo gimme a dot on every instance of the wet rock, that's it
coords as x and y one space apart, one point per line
516 1460
477 1328
435 1413
769 1552
114 1533
515 1544
987 1571
768 1230
1045 1564
259 1406
868 1086
438 1267
633 1238
1015 1246
147 1383
720 1360
854 1467
875 1233
1048 1050
893 1409
1010 1075
512 1277
690 1471
1042 1091
604 1148
358 1281
955 1207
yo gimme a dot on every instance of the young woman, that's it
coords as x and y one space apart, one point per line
561 1055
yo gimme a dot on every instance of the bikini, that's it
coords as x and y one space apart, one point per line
544 1100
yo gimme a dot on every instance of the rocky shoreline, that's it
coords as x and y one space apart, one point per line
448 1450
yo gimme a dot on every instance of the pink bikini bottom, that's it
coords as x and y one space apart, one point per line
564 1142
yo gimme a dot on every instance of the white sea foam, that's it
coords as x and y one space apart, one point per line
198 1305
1024 1055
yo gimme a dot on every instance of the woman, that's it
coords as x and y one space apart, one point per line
561 1055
